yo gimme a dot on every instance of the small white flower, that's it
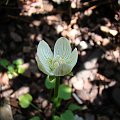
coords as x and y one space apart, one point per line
61 62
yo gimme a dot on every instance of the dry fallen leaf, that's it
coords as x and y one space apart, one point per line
5 110
108 30
104 29
113 32
77 84
4 80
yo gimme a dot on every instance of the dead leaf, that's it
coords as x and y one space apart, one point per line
108 30
105 41
16 37
5 110
104 29
4 80
113 32
77 84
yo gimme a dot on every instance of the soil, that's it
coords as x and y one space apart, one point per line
91 26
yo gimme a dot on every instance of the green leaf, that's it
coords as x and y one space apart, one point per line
56 118
25 100
20 70
10 75
64 92
74 107
11 68
50 82
18 61
4 63
35 118
67 115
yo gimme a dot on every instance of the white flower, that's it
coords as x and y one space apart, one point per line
61 62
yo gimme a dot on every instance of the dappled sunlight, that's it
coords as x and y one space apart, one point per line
93 86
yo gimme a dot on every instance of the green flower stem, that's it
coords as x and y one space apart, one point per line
56 103
57 83
37 108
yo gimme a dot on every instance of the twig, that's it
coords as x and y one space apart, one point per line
18 18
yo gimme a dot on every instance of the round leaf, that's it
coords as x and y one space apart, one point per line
50 82
35 118
21 70
64 92
67 115
56 118
11 68
18 62
10 75
4 63
74 107
25 100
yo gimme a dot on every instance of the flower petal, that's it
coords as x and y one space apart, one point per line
43 68
73 58
44 55
62 70
62 48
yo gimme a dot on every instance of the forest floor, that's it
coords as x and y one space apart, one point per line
93 27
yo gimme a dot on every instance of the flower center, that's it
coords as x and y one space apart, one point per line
55 62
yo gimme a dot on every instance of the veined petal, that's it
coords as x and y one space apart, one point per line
44 55
44 50
62 70
73 58
62 48
43 68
